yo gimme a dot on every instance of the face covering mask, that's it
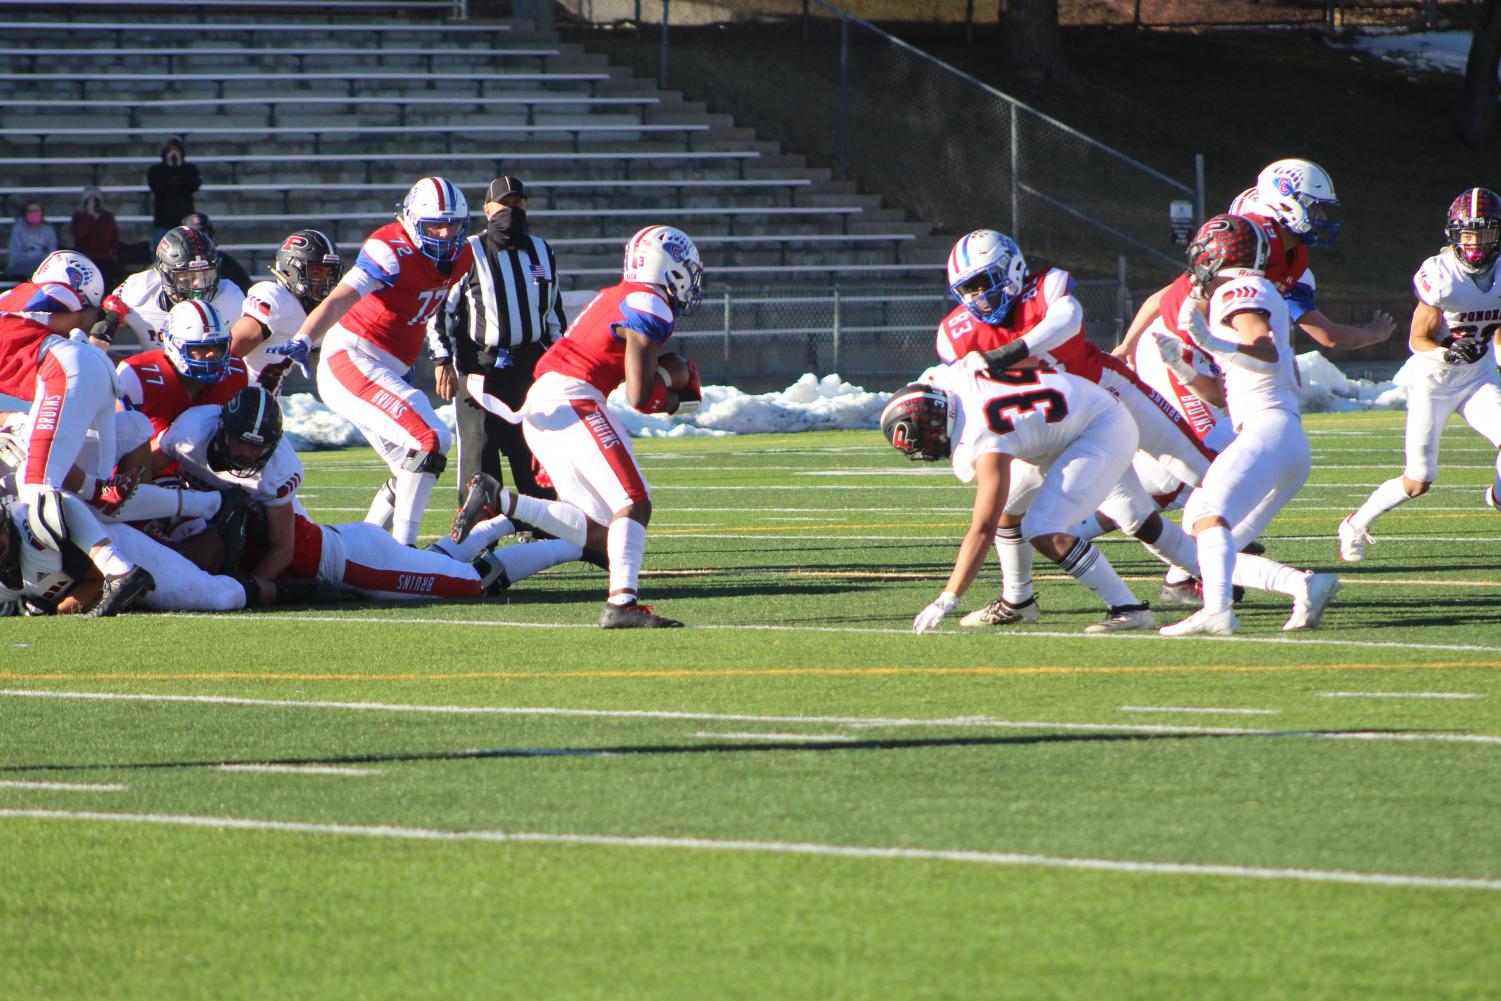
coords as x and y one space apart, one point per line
33 218
507 225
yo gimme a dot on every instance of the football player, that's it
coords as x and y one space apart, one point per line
193 367
306 269
996 424
1248 331
64 294
587 454
186 269
50 548
370 330
1455 323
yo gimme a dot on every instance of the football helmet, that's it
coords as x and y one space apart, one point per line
1244 203
1477 211
986 274
188 263
196 340
1227 246
916 422
1299 194
249 431
70 268
665 256
434 202
308 265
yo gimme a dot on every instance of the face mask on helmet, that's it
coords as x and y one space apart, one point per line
666 257
249 431
1226 246
915 422
188 264
986 273
1300 195
1474 229
67 267
435 216
308 265
197 341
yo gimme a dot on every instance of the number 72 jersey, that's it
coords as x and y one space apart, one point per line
402 289
1032 414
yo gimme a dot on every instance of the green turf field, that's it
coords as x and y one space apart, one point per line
793 798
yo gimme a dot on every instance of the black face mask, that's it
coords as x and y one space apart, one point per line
507 226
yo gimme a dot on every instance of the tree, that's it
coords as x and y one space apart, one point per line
1032 43
1477 119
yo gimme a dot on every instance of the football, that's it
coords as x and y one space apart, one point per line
674 369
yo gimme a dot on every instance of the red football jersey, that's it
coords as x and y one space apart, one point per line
159 391
20 343
411 289
960 333
1284 267
593 349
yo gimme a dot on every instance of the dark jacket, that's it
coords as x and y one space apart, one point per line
172 187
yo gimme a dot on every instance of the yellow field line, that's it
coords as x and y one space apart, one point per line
740 672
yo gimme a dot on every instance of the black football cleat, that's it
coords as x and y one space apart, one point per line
120 591
481 501
634 616
492 575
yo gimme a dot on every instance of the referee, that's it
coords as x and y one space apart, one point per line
495 326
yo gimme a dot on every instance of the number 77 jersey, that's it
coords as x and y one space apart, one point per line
401 290
1031 414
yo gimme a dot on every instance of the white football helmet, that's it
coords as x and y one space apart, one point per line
986 274
1244 204
435 201
70 268
1299 194
662 255
196 341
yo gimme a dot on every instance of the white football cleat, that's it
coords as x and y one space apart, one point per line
1204 623
1352 541
998 613
1490 499
1123 618
1308 607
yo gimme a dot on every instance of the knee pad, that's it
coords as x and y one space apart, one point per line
425 462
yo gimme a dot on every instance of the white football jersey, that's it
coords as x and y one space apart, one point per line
1031 414
279 311
149 306
1248 392
1471 305
46 574
187 441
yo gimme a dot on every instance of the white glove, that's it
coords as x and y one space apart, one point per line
934 613
1171 349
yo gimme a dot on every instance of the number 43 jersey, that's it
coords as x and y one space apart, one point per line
1471 305
402 288
1031 414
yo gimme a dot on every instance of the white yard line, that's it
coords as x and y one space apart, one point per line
354 773
63 786
1398 695
812 738
983 722
1200 709
775 848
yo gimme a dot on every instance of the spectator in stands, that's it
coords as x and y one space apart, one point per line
31 239
490 334
229 268
172 183
96 236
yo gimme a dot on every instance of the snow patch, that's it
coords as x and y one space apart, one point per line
1432 51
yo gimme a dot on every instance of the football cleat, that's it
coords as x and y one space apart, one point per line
1308 608
1204 623
481 502
1352 541
1122 618
119 591
1181 592
999 613
634 616
110 495
1490 499
1254 548
492 575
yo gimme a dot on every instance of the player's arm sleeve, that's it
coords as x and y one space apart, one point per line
646 314
1299 298
1063 319
377 267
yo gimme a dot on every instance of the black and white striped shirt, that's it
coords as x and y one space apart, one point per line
509 298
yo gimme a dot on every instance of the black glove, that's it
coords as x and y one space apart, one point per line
1465 351
1003 357
104 328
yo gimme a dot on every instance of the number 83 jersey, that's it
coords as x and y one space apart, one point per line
1471 305
1031 414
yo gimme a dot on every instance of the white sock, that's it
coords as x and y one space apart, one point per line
1016 565
481 537
626 544
1382 500
1496 486
523 561
1087 565
110 561
152 501
1216 566
383 506
557 518
1089 529
1177 575
412 492
1267 575
1175 548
